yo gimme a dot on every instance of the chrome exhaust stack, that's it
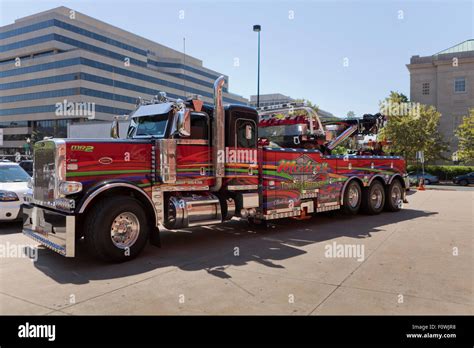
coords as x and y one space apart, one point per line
218 134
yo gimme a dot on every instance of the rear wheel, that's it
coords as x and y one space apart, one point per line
373 199
463 183
116 229
352 198
394 196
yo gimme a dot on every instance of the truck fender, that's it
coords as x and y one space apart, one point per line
375 177
347 183
397 176
104 187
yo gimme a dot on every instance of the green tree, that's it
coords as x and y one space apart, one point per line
308 103
351 114
396 97
413 128
339 150
465 135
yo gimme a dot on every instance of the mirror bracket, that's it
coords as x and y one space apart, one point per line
183 123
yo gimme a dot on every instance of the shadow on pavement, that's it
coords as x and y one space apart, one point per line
212 248
10 227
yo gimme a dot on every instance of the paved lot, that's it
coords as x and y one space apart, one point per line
408 268
450 187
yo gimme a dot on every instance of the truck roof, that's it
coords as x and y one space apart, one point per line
209 108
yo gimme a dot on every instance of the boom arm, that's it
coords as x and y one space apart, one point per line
369 124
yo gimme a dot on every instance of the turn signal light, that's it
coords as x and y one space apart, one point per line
70 187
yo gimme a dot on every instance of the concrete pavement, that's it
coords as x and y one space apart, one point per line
417 261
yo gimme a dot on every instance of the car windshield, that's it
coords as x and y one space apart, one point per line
13 173
154 125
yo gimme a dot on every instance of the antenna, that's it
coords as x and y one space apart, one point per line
184 66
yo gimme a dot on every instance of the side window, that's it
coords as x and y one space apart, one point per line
246 136
199 127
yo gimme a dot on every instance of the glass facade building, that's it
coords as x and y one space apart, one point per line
55 62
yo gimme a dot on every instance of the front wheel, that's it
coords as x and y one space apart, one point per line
117 229
463 183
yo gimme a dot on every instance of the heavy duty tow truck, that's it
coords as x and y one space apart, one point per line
186 164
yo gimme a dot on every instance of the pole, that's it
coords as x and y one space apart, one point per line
258 72
184 67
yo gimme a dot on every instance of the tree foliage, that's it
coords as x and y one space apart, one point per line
308 103
416 129
351 114
465 135
339 150
396 97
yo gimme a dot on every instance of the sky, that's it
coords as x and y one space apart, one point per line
341 55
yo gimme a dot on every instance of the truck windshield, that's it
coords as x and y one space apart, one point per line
154 125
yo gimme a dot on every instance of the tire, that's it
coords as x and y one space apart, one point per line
352 198
98 226
394 196
373 199
427 182
463 183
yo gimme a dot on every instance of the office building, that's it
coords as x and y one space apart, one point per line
62 66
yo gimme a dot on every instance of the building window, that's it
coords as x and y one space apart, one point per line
460 85
425 88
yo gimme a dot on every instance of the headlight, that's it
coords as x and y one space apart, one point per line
70 187
8 196
31 183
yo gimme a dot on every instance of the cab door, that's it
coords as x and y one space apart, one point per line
241 154
193 153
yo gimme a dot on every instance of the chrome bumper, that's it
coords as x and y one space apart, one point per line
53 229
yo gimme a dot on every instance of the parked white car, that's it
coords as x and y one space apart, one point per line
13 188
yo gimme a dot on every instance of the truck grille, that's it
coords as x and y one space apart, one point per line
45 173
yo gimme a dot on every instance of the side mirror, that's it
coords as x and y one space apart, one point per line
114 130
248 132
183 123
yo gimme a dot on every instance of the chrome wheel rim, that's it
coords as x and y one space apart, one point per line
396 196
125 230
376 198
353 197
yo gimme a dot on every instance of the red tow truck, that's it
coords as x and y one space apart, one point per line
186 164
